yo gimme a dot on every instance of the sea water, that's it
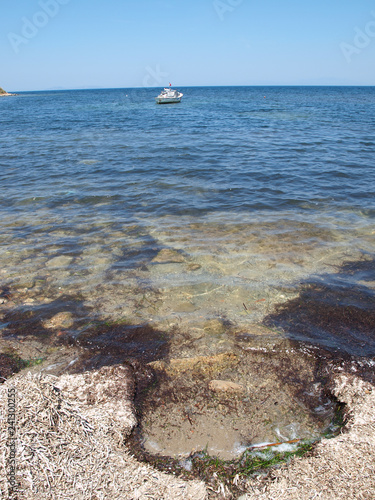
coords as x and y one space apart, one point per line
202 215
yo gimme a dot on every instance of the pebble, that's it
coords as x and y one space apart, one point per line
29 301
193 267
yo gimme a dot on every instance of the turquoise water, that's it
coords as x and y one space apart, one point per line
255 192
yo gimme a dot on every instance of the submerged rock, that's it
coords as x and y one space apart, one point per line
60 320
214 327
201 364
60 261
167 255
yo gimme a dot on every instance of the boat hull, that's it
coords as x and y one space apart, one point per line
167 100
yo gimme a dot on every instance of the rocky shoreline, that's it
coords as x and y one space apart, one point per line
71 428
4 93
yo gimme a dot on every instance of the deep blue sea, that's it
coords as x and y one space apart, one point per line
239 206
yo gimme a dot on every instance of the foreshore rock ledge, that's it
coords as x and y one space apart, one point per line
70 429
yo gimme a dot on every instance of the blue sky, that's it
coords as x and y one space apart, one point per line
47 44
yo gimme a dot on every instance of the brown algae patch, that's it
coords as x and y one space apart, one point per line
336 310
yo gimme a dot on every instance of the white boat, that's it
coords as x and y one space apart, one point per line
168 96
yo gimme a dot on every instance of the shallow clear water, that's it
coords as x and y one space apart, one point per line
252 190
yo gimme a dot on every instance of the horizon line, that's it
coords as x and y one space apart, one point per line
63 89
